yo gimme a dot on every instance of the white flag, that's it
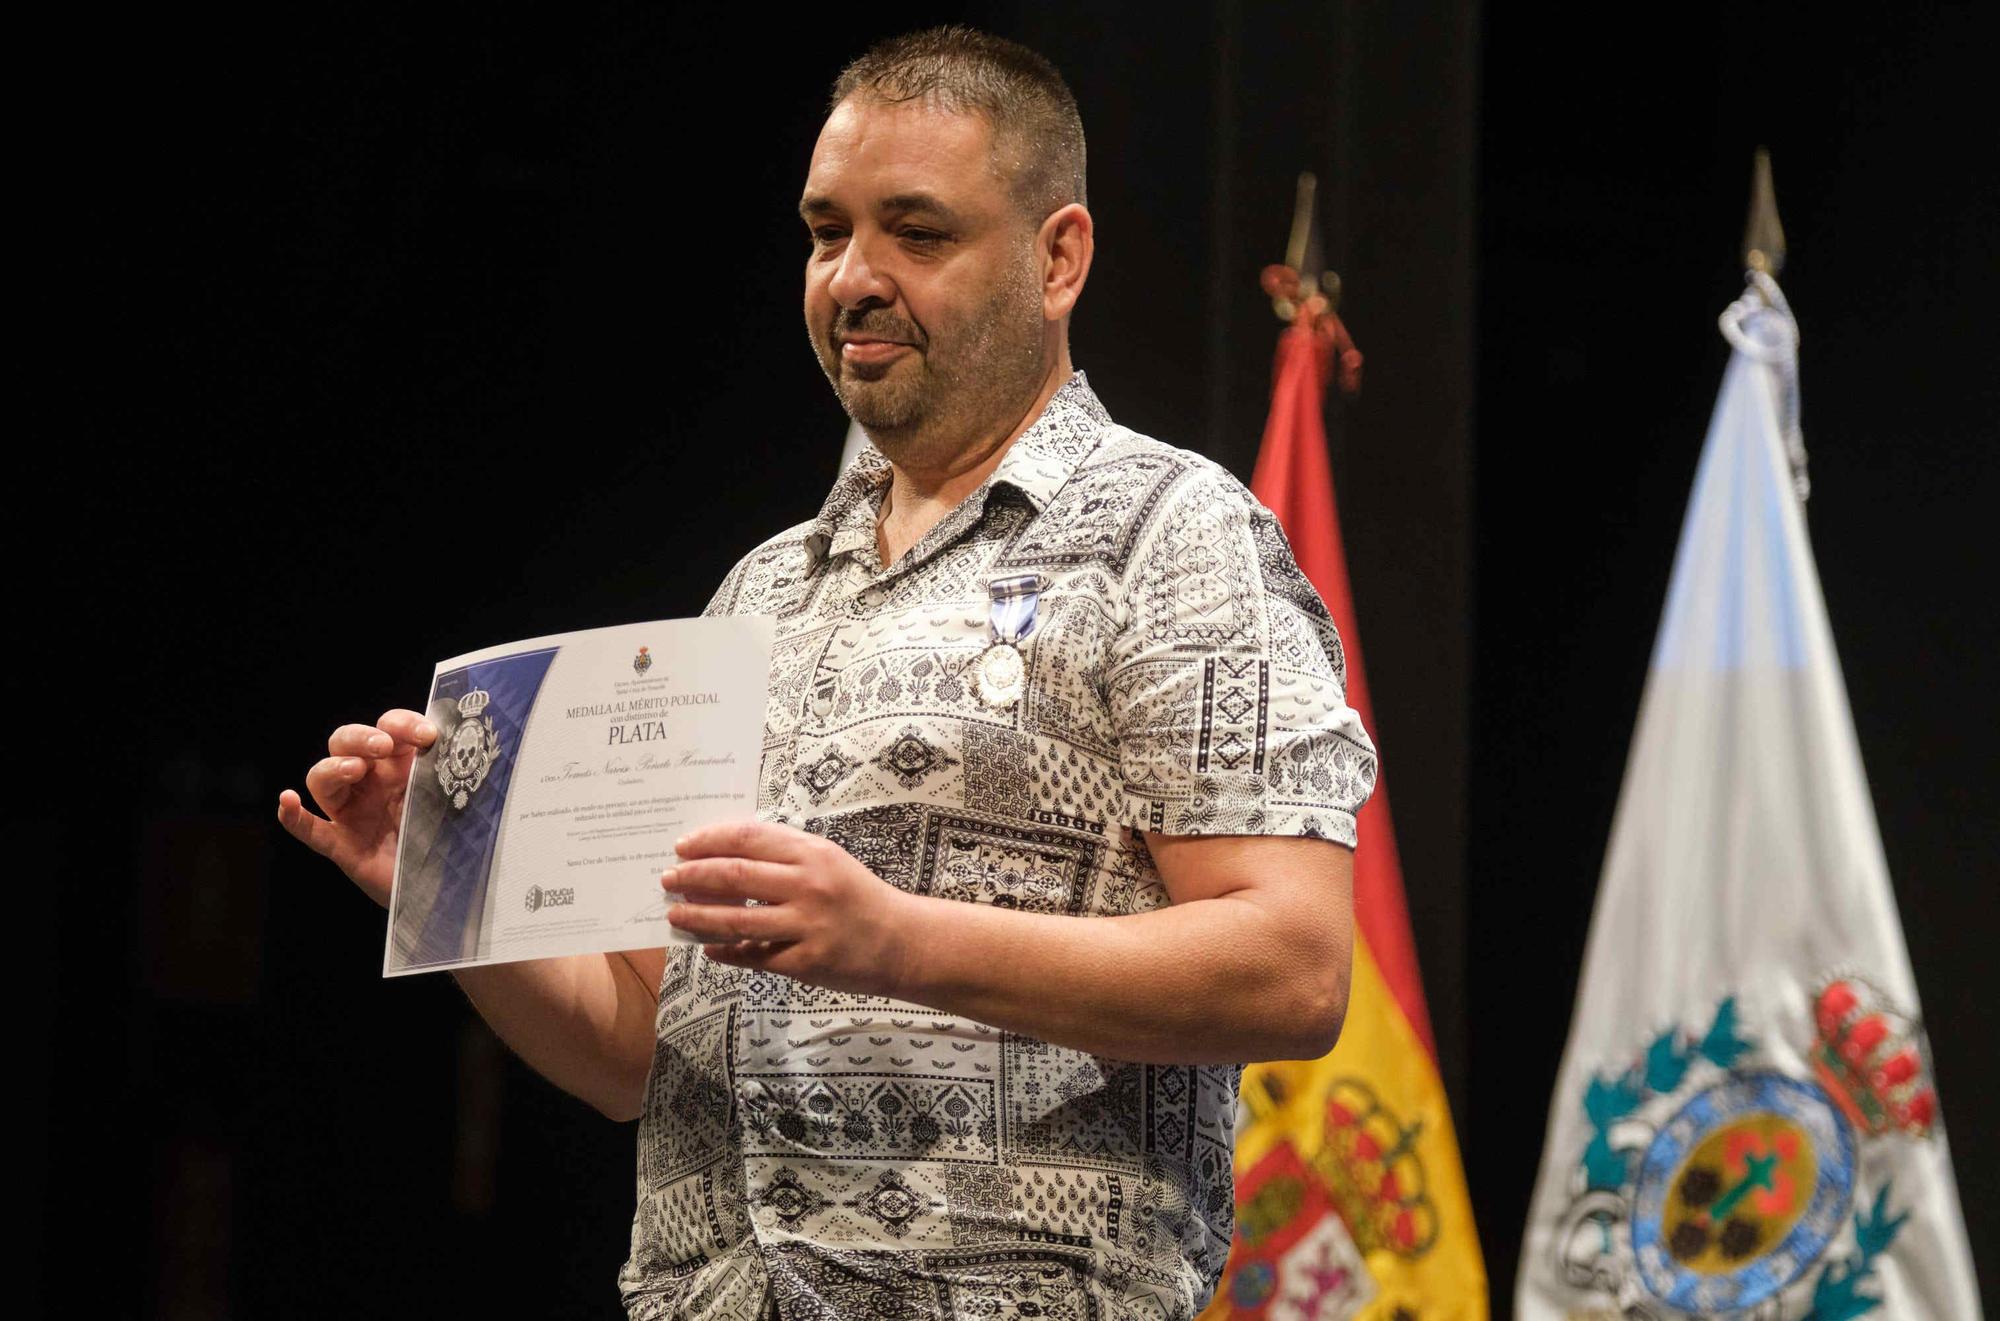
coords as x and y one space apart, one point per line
1744 1125
856 439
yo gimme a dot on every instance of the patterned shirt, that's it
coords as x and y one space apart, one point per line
810 1153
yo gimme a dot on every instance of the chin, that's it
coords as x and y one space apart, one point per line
877 405
882 425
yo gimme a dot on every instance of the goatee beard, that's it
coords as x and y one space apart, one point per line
955 392
883 408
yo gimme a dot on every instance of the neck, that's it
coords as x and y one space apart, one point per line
920 494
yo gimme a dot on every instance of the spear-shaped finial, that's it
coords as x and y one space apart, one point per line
1302 252
1305 295
1302 276
1763 236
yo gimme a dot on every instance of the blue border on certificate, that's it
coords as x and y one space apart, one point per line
447 851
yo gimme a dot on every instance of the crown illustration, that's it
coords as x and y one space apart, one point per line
1867 1057
1372 1167
473 703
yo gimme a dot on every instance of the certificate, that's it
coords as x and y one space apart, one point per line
564 769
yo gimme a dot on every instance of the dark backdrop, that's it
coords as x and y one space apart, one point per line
376 337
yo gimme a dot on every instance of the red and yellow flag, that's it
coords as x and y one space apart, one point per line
1350 1195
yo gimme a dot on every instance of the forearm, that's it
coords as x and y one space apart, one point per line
1217 980
584 1022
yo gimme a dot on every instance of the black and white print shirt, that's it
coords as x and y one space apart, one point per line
819 1154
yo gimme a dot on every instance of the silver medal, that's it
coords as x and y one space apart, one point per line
1001 673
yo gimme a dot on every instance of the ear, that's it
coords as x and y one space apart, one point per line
1066 243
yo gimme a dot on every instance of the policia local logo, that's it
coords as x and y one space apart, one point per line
538 898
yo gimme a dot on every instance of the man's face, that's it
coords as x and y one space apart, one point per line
923 296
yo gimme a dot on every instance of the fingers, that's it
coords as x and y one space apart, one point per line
396 730
303 826
746 839
359 741
719 923
716 880
410 728
749 954
332 779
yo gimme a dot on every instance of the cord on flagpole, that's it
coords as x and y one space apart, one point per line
1760 324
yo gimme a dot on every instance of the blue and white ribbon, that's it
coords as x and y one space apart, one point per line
1015 600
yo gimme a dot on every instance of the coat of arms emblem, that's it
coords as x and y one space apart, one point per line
1716 1181
642 662
470 752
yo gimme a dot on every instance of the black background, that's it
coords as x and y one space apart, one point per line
371 337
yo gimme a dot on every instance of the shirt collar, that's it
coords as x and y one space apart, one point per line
1038 465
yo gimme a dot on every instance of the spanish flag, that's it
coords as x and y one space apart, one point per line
1350 1195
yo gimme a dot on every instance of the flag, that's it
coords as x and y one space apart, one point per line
1350 1195
1744 1123
856 439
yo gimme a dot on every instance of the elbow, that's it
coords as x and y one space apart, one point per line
621 1101
1298 1005
619 1085
1320 1024
1321 1010
619 1109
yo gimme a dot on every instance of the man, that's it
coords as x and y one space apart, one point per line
1056 801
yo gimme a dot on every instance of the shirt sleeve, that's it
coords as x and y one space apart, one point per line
1226 681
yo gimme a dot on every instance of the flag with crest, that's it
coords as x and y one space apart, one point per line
1745 1123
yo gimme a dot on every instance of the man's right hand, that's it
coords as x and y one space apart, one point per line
584 1022
359 785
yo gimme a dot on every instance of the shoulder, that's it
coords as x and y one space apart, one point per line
1120 499
1212 565
772 564
1167 494
1121 448
1181 481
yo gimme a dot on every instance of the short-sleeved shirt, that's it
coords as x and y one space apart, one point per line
822 1154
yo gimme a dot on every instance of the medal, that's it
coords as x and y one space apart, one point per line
1000 675
1001 672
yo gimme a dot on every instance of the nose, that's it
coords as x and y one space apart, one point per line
857 282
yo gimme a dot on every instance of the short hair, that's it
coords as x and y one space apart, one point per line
966 71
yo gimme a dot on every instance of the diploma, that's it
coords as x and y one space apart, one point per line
564 769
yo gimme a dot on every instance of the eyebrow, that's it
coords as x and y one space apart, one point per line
813 206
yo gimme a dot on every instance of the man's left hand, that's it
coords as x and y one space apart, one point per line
821 916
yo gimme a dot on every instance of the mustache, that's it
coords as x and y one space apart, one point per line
876 323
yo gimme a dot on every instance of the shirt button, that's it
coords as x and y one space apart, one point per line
873 597
821 705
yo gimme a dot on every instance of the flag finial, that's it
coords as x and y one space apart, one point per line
1300 280
1302 252
1306 296
1763 236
